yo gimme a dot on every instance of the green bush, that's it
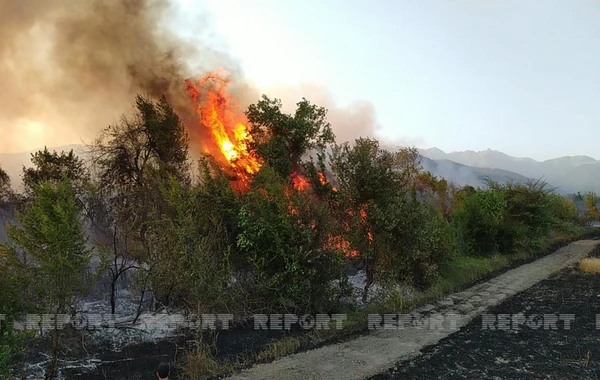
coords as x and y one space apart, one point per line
194 242
478 220
283 235
511 217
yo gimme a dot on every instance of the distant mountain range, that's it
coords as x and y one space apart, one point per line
569 174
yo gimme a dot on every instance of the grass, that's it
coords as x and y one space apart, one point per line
200 363
590 265
281 348
456 274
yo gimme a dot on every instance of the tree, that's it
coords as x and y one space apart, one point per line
387 223
282 139
152 142
195 240
49 248
54 167
4 186
133 157
284 236
590 200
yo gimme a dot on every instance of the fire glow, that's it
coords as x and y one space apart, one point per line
219 113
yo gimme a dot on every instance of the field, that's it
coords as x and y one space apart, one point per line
533 351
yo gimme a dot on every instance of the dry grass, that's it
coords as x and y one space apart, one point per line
281 348
590 265
200 364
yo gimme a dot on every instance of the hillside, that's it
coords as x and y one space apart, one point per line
433 160
463 175
569 173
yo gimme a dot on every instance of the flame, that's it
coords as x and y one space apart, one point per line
322 178
299 182
229 142
338 242
220 115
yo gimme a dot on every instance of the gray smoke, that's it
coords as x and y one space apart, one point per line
350 122
75 66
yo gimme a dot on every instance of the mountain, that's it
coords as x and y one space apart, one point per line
569 173
463 175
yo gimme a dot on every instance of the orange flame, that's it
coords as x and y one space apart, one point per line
299 182
322 178
220 114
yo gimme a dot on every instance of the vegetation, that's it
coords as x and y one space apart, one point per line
48 257
276 247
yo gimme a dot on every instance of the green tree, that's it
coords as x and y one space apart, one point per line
48 248
387 223
4 186
54 167
133 158
283 235
478 219
195 243
282 139
590 200
152 142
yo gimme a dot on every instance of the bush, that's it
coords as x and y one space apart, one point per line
195 241
511 217
283 236
478 220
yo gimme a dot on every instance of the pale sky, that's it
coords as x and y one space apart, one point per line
519 76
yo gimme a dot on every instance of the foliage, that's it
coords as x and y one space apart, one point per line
398 237
152 142
195 242
282 139
48 251
54 167
510 217
590 200
7 196
284 236
478 221
52 245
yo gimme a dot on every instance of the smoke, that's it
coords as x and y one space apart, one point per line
348 123
72 67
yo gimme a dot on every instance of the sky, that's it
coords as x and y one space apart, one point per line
518 76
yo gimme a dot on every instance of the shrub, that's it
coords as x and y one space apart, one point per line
283 235
478 220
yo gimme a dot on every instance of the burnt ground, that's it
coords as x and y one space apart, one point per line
531 352
93 361
138 360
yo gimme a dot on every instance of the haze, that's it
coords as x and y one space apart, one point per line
520 77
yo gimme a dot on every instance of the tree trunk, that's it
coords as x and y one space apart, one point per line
112 294
368 282
52 370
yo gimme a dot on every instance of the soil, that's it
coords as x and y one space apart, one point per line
528 353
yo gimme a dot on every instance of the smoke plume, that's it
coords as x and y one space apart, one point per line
72 67
348 123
